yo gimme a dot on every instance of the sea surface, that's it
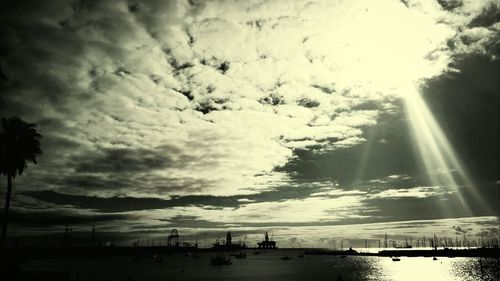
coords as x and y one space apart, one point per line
269 266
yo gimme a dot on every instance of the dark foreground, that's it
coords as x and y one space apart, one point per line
263 265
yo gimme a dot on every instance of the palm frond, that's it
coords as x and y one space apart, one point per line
19 144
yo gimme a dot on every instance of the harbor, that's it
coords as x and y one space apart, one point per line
268 265
225 260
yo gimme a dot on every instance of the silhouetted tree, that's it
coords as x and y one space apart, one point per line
19 144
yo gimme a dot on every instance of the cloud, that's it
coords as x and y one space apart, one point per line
128 203
245 200
130 78
158 99
415 192
489 16
123 160
450 4
58 218
283 212
337 192
391 179
460 230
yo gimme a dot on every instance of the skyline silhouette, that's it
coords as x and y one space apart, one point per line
311 121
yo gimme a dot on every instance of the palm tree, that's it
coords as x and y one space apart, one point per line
19 144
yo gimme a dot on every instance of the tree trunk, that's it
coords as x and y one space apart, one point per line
6 212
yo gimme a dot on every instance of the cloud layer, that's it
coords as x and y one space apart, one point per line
193 98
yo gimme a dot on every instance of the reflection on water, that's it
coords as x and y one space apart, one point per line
418 268
269 266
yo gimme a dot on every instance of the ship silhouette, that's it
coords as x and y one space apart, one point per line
267 243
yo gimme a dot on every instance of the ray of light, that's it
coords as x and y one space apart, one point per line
366 153
442 164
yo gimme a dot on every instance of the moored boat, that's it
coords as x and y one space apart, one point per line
220 260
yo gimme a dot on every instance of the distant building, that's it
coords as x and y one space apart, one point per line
173 240
267 243
228 245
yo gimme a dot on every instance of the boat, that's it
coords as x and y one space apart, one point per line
285 257
434 259
157 259
301 256
220 260
345 253
396 259
241 255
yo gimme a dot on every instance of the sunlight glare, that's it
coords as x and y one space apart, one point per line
441 163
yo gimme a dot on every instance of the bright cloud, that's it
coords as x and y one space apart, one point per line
415 192
315 209
211 97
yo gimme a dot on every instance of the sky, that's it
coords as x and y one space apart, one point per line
313 120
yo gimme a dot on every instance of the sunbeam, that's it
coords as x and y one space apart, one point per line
442 164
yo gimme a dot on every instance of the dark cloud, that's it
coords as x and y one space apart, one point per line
309 103
59 218
124 203
415 224
370 160
490 15
121 204
465 103
32 66
191 221
450 4
91 182
123 160
436 206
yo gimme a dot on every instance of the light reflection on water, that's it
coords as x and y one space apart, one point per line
270 266
417 268
420 268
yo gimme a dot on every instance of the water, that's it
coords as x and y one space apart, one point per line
269 266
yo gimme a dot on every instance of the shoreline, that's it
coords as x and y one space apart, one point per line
27 253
